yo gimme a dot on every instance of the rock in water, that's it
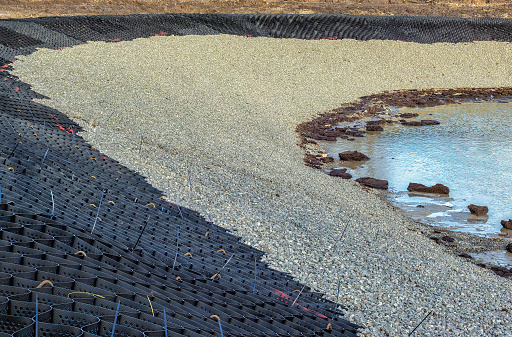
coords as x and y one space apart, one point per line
437 188
509 247
478 210
374 128
423 122
342 173
507 224
373 183
353 156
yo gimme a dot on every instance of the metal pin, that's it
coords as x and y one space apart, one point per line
98 212
337 298
224 266
53 203
255 273
177 246
44 125
296 298
31 114
420 323
143 229
12 152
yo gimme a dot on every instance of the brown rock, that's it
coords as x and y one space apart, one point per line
373 183
374 128
353 156
423 122
342 173
375 109
447 239
437 188
408 115
325 159
507 224
509 247
478 210
376 122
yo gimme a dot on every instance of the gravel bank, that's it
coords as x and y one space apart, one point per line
222 110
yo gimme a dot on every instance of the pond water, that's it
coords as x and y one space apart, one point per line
470 152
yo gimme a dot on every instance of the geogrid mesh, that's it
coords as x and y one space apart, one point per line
55 189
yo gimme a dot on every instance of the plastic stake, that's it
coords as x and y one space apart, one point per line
165 324
115 318
220 327
37 316
44 158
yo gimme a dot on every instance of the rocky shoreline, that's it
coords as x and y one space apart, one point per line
323 128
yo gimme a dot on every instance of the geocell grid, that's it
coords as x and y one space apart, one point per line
88 246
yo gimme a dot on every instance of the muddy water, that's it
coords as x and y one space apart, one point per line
470 152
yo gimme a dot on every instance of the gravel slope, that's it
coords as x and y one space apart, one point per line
222 110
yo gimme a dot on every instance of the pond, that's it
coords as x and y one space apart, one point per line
470 152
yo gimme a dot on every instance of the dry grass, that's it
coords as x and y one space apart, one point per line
461 8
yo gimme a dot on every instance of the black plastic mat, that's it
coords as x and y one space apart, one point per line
91 244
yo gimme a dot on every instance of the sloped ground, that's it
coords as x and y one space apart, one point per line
207 130
463 8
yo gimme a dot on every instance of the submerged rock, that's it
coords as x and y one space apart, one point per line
353 156
342 173
374 128
437 188
409 115
373 183
423 122
478 210
507 224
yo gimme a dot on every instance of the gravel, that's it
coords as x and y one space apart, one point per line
210 121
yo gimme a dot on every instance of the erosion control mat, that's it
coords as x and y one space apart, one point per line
88 247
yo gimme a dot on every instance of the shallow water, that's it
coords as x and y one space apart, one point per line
470 152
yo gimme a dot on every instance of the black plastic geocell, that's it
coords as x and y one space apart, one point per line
75 239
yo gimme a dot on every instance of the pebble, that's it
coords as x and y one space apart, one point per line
224 108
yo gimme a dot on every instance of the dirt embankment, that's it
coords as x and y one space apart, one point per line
461 8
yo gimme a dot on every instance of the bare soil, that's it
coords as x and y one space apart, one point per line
461 8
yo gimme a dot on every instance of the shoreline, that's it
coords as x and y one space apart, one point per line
229 151
321 129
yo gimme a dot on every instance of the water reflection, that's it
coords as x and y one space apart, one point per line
470 152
